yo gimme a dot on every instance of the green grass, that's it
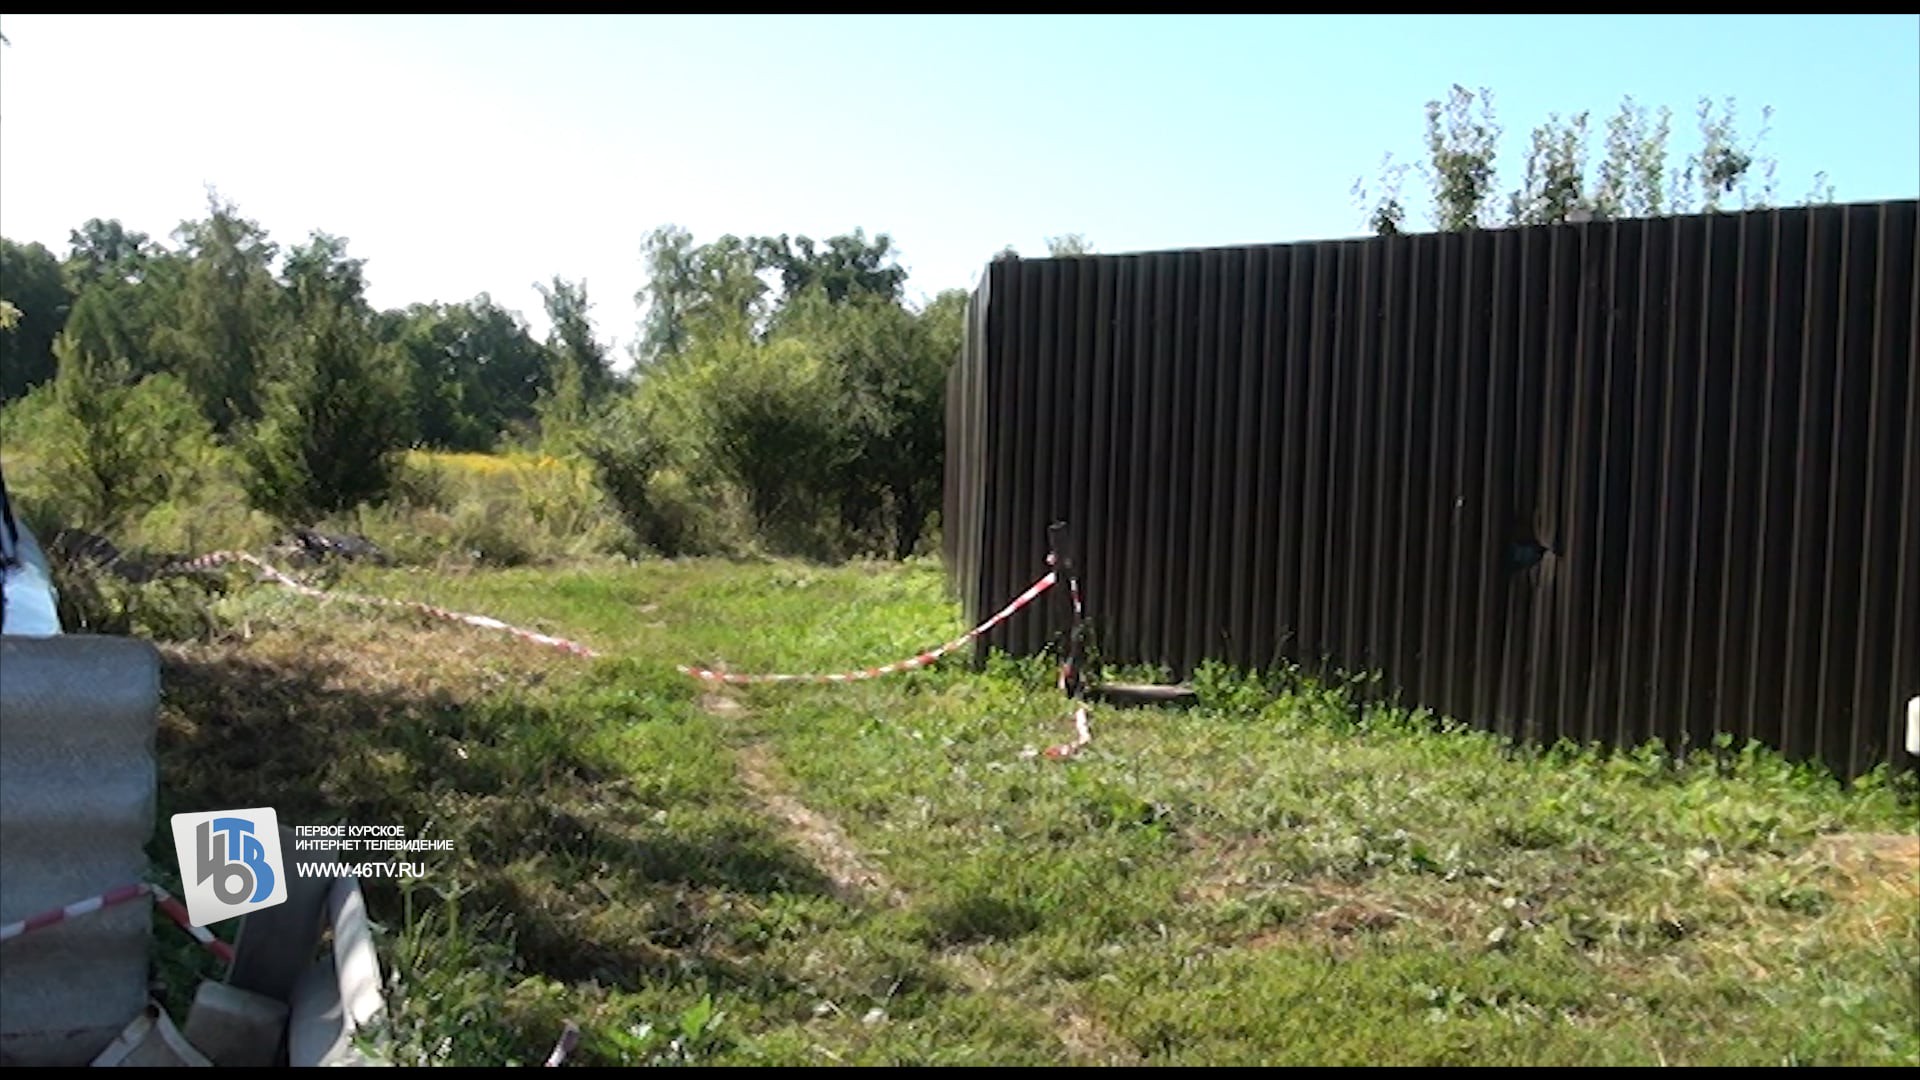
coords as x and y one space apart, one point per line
1277 877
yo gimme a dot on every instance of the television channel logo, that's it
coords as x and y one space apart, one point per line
230 862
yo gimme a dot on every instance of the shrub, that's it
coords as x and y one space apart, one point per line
635 465
563 507
93 600
499 509
333 422
121 459
774 423
824 427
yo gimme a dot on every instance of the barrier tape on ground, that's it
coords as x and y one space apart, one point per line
177 911
1082 733
920 661
221 558
1082 736
162 899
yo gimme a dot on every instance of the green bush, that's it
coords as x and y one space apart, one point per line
136 462
93 600
334 422
775 424
887 371
824 428
485 535
645 458
492 509
565 511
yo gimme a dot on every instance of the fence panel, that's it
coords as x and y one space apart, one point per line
1611 481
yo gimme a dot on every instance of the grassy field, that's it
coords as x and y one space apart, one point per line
882 873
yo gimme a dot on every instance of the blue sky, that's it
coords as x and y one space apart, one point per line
469 154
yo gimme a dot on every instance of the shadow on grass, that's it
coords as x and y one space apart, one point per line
582 870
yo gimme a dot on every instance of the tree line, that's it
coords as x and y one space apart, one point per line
784 396
783 387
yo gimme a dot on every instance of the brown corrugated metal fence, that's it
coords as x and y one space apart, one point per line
1612 481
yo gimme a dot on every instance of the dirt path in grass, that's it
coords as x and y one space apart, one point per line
856 880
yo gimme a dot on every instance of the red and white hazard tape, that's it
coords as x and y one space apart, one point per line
220 558
82 907
176 911
909 664
1082 736
162 899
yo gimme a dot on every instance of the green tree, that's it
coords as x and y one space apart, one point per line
108 321
868 351
1552 188
631 454
334 403
889 368
474 370
1462 141
1060 247
773 417
821 408
31 282
224 314
1383 206
123 314
334 416
698 290
105 251
1725 166
718 287
581 376
319 273
424 338
113 449
670 293
906 453
1631 175
849 265
505 369
729 297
